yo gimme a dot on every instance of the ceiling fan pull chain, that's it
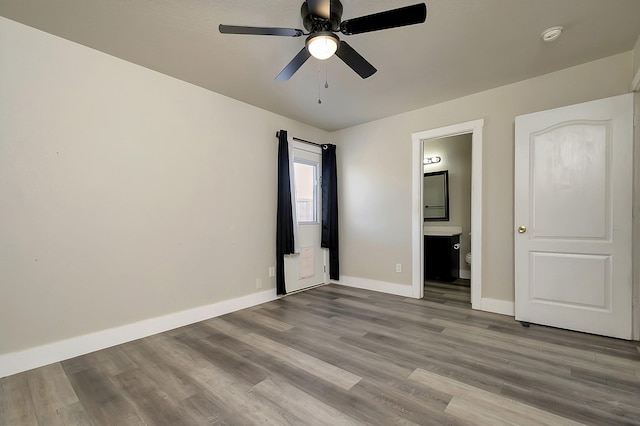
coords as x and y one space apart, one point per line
319 89
326 78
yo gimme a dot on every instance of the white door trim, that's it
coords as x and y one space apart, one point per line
635 87
417 249
635 83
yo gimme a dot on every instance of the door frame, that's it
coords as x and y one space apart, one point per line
635 88
417 247
316 150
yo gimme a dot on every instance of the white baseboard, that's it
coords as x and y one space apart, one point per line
16 362
374 285
465 274
496 306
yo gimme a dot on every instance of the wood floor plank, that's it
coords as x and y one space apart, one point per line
152 403
302 404
213 413
570 356
168 377
302 318
269 322
409 402
225 359
359 362
54 399
484 413
249 405
49 385
336 375
102 400
511 412
597 344
341 355
16 404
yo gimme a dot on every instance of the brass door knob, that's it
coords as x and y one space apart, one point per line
522 229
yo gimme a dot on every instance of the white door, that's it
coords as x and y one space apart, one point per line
573 206
307 267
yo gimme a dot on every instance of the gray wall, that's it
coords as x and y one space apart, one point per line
375 171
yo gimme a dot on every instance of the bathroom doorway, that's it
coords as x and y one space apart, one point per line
447 244
419 139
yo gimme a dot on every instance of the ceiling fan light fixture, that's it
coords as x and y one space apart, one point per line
322 45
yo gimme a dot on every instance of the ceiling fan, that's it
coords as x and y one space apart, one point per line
322 19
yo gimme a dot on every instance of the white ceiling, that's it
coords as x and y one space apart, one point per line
464 47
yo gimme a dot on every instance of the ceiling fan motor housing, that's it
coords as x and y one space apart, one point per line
314 23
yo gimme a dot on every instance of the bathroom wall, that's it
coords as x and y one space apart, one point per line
455 152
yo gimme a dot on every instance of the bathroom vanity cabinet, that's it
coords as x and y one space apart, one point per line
442 257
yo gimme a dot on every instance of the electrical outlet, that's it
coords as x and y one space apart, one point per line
258 283
272 271
398 267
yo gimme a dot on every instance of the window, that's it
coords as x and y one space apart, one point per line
306 181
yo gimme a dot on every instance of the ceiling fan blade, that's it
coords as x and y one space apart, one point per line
284 32
356 62
401 17
320 8
294 65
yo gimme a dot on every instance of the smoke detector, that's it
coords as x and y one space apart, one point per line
551 34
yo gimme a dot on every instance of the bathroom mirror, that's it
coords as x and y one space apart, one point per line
436 196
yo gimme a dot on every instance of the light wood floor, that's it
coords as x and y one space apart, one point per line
335 355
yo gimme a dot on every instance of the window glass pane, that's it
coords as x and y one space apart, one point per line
305 180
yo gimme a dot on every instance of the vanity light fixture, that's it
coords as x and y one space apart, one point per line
432 160
322 45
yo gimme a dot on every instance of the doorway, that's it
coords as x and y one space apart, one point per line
306 268
447 218
474 128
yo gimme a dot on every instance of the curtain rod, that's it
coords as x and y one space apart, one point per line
304 141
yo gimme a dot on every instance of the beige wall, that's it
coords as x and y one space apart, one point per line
124 194
636 214
455 152
636 57
375 171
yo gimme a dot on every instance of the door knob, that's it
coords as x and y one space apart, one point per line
522 229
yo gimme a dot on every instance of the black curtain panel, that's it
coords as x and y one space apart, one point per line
284 213
330 209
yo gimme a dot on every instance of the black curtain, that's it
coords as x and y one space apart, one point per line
330 209
284 215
